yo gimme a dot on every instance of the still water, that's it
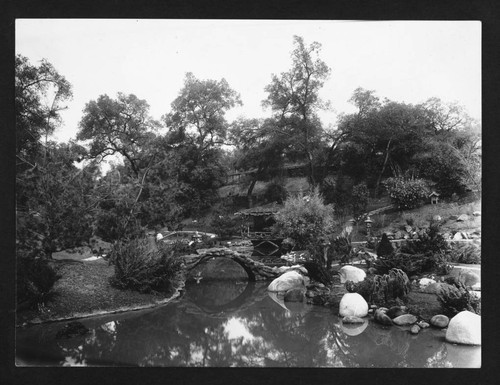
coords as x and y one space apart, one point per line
238 324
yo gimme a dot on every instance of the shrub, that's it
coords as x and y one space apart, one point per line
468 254
384 247
428 253
304 219
225 225
381 289
35 281
139 266
429 240
413 264
406 193
275 192
359 199
456 298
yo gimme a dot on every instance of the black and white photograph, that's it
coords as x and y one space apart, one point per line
248 193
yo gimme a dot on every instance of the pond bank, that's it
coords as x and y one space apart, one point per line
84 291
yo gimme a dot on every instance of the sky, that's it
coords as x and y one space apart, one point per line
405 61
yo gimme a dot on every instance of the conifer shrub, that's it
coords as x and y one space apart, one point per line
384 248
140 267
456 298
381 289
35 281
469 253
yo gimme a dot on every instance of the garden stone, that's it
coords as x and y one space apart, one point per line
437 218
415 329
477 213
287 281
382 318
435 288
394 312
464 328
463 218
457 236
405 319
439 321
469 278
353 304
352 320
424 282
294 295
423 324
351 273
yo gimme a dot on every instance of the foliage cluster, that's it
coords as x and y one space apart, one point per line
469 253
428 253
139 266
380 289
406 193
35 281
456 298
275 192
305 219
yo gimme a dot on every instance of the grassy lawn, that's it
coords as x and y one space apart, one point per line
84 289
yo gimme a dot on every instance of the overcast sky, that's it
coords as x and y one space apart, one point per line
406 61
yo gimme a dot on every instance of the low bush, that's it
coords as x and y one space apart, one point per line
35 281
456 298
413 264
469 254
381 289
407 193
275 192
428 253
305 219
140 267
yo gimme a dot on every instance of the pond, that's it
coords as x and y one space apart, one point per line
238 324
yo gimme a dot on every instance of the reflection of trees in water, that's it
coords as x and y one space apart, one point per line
184 334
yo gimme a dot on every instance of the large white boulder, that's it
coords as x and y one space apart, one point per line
287 281
353 305
351 273
464 328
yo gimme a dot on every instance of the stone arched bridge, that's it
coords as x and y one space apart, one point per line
256 271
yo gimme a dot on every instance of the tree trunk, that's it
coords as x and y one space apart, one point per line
249 193
383 168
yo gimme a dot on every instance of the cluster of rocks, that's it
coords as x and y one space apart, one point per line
294 286
464 328
410 232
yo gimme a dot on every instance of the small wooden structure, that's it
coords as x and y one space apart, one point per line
434 198
260 236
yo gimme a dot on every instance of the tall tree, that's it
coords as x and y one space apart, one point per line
122 126
198 113
118 126
259 147
40 92
294 97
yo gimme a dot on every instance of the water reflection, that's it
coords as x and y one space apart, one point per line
239 324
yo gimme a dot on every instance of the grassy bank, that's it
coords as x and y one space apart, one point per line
84 290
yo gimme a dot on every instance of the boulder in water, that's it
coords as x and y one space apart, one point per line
287 281
464 328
